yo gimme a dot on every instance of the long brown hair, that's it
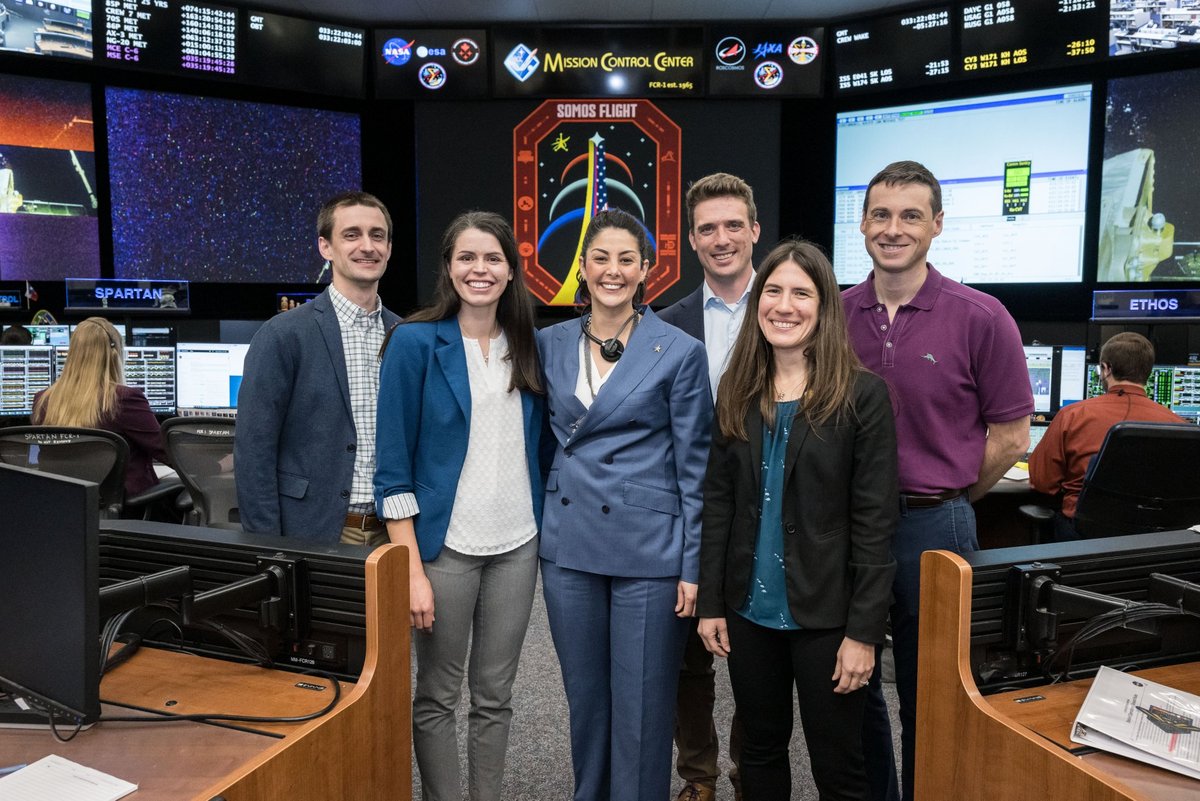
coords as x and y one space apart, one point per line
832 362
86 392
515 310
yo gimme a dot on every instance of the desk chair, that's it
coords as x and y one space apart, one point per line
87 453
201 448
1143 479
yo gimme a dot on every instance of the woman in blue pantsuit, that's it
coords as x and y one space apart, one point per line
630 410
458 481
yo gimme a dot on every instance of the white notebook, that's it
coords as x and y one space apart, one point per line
53 778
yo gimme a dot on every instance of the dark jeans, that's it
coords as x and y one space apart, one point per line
764 664
951 527
878 750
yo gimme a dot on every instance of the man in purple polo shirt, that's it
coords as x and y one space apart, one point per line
952 357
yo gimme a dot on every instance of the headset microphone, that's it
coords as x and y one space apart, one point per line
610 349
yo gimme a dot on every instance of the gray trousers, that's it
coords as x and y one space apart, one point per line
487 600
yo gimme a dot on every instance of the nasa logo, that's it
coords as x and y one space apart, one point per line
731 51
397 52
522 62
465 51
432 75
768 75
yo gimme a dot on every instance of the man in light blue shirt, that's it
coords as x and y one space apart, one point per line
722 229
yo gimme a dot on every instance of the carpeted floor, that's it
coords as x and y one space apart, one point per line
539 752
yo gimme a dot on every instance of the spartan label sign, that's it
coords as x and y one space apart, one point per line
573 158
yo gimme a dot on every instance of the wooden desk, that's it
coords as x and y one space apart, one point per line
973 747
359 750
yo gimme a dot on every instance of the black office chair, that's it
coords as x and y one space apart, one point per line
1143 479
201 448
87 453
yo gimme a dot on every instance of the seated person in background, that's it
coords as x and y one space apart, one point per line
1058 464
90 394
16 335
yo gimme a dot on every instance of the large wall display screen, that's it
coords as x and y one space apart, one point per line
1013 170
893 52
431 62
37 27
210 189
553 162
1150 198
1014 35
1153 26
598 62
762 60
48 204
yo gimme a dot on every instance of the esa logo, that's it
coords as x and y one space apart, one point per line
397 52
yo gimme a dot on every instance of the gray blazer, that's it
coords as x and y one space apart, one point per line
295 443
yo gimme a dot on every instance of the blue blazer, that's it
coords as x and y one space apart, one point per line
623 495
423 419
687 313
295 442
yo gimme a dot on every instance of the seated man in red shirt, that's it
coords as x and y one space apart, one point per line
1059 462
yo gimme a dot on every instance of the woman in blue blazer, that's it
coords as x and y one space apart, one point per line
630 410
799 509
458 481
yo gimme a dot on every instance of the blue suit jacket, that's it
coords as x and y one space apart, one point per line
295 443
687 313
623 496
424 417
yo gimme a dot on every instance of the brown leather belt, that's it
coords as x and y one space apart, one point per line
922 501
363 521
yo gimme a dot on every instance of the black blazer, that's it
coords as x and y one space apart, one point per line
840 508
687 313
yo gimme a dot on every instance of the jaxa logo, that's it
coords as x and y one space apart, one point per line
765 49
522 62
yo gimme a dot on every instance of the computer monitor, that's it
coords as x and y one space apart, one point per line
210 374
1014 175
1175 386
154 335
1039 361
25 370
49 597
55 335
1072 374
119 326
150 369
1037 430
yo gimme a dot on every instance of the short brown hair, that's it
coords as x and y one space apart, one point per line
720 184
907 172
325 215
1130 356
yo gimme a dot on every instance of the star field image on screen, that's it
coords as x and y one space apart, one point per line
48 222
210 189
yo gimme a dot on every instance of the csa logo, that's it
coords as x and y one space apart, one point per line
397 52
731 51
768 74
522 62
465 51
432 75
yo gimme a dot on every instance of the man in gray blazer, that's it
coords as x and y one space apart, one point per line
304 454
722 229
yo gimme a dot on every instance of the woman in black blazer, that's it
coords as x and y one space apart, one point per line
799 509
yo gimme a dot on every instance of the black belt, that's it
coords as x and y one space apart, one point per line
364 522
921 501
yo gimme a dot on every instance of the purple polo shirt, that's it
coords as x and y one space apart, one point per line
954 363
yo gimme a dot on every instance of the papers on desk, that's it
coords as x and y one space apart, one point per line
1143 720
1018 472
53 778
